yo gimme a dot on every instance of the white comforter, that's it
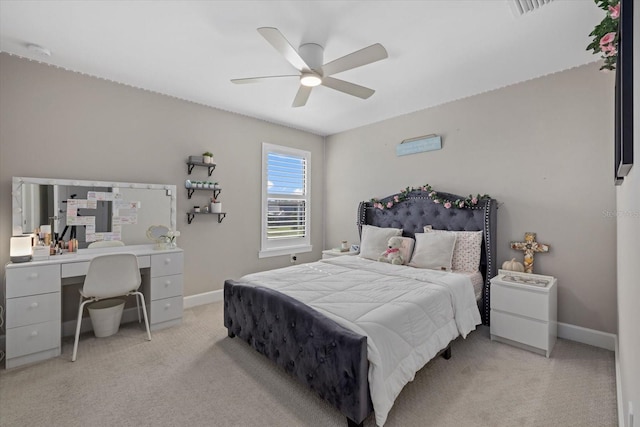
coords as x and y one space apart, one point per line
408 314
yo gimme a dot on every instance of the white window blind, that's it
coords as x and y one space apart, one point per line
285 200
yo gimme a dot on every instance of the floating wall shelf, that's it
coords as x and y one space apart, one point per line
191 215
211 166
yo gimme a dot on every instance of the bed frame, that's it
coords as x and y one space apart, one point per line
328 358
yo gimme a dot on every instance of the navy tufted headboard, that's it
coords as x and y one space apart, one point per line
419 210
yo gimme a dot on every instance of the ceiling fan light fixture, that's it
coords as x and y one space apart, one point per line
310 79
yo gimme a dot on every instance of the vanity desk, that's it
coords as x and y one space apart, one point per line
33 297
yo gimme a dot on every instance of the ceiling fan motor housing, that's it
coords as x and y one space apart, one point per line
312 54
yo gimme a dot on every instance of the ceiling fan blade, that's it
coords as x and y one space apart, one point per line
260 79
301 97
365 56
348 88
282 45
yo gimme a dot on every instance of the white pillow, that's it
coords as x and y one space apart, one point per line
433 251
468 249
374 240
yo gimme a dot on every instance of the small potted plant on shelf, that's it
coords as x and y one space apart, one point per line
207 157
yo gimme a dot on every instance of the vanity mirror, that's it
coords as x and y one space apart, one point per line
92 210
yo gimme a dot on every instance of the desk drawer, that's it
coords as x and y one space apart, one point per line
32 280
166 264
166 286
33 309
33 338
526 331
520 301
166 309
75 269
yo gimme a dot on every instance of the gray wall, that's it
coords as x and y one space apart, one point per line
55 123
542 148
628 210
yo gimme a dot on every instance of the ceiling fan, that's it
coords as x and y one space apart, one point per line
308 60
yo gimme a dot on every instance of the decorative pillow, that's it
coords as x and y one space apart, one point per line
466 254
433 251
406 250
375 240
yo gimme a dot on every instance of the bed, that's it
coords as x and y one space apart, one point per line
311 320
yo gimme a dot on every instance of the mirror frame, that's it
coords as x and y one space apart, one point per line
16 194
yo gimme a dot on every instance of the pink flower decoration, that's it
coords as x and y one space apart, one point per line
461 205
432 194
614 11
609 50
447 205
474 201
389 204
607 38
424 188
378 205
396 199
436 201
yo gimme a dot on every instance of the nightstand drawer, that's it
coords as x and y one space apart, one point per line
166 286
33 338
526 331
32 280
166 264
33 309
523 302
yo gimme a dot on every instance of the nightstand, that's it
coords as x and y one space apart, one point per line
524 310
331 253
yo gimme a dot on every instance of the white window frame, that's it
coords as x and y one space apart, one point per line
269 248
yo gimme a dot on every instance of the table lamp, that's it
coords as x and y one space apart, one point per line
20 248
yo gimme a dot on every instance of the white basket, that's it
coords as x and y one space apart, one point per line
105 316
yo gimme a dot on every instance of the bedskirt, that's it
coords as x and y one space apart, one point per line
325 356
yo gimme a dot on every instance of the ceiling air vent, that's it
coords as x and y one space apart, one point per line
520 7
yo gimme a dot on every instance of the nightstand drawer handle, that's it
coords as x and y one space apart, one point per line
34 305
167 305
167 283
33 276
167 261
34 334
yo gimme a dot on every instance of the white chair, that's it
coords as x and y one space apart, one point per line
113 244
110 276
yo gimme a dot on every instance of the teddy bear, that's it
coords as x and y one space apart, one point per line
392 254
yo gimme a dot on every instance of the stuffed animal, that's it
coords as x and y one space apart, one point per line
392 254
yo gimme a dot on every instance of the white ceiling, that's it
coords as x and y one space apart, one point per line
439 51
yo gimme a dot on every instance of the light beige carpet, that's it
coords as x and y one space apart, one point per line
193 375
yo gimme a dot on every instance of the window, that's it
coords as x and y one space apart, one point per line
286 203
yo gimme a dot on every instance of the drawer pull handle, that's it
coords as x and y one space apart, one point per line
167 305
33 276
34 305
167 283
167 261
34 333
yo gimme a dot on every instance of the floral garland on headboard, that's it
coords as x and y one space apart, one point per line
448 204
605 34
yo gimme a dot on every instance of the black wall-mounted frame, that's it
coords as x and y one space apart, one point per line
624 94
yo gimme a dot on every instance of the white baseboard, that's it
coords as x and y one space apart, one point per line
587 336
621 422
205 298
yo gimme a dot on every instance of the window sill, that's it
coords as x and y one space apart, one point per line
266 253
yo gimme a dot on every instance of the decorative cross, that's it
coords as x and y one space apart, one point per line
529 246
